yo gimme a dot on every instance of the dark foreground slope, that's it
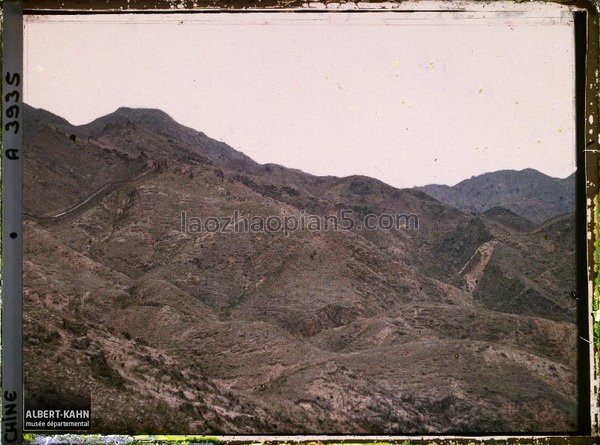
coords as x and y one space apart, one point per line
464 325
528 192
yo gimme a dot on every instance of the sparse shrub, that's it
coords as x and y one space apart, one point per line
76 327
102 370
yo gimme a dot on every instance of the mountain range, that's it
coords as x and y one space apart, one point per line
528 193
465 324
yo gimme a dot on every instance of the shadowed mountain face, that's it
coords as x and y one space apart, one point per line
528 192
464 324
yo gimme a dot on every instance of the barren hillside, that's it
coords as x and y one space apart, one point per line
465 324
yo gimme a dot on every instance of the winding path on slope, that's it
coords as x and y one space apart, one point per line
554 219
100 192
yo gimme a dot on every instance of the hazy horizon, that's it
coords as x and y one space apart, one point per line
333 94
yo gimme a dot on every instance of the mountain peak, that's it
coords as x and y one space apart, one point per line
41 116
152 117
141 113
528 192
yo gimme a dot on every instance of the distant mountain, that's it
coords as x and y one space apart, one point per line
464 325
528 193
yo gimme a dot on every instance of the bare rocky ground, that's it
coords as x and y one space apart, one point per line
464 325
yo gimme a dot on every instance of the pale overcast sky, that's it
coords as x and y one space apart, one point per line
410 99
